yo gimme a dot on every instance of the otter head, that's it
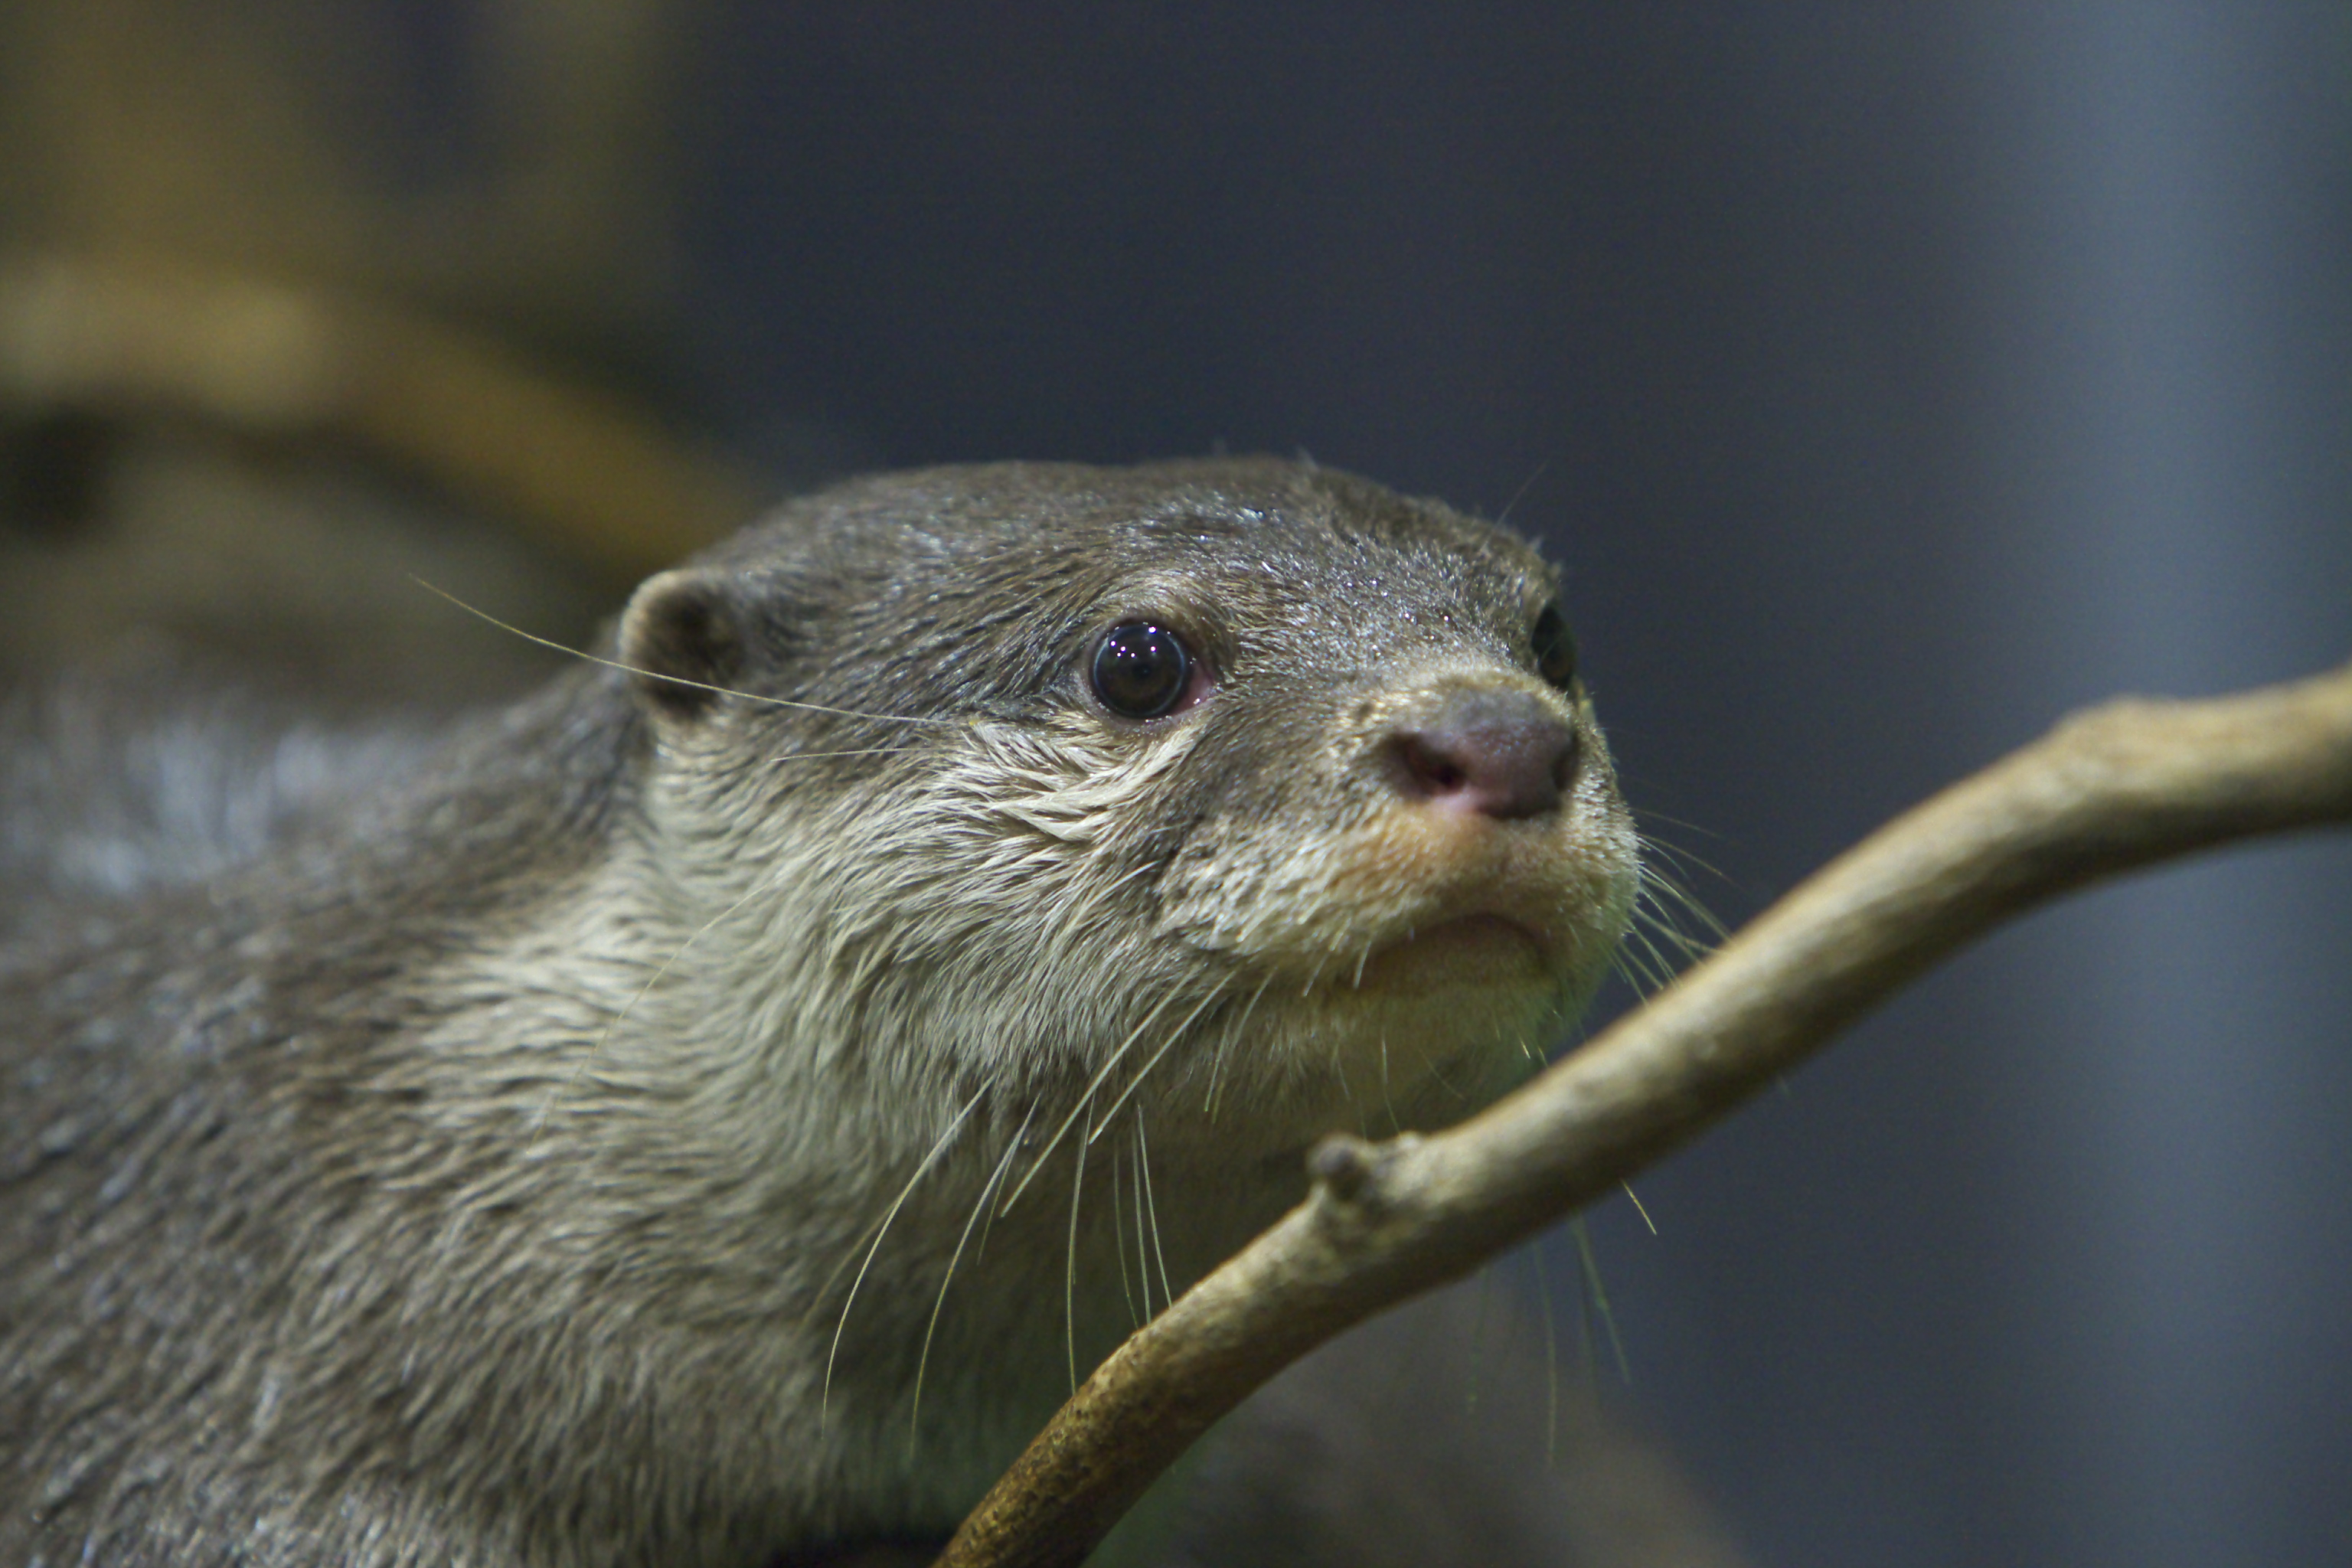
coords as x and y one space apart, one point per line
1245 794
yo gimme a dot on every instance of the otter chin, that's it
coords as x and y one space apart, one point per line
1435 1022
1481 951
718 1109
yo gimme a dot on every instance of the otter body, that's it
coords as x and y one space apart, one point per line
719 1105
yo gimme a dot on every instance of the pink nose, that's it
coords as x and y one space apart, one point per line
1503 754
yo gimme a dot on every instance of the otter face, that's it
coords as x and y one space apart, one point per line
1239 784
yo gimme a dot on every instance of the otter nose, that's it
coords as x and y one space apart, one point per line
1504 755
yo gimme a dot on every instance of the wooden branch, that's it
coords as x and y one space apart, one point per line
2122 786
579 467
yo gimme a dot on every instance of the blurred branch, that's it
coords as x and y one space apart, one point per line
2122 786
590 475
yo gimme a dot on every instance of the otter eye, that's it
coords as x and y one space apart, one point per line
1555 649
1141 670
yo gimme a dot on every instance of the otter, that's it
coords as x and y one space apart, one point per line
718 1106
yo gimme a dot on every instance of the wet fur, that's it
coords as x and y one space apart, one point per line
484 1176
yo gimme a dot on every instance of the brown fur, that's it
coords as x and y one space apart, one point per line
677 1126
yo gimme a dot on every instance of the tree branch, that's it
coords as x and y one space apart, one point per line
2122 786
568 462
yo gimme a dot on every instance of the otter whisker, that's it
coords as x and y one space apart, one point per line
1666 887
1677 950
1642 929
939 1147
1669 895
1070 1267
988 1221
1638 1208
1118 1241
1388 1103
1141 1266
1143 1166
677 679
1217 1062
1646 934
1637 975
1651 813
1117 1226
1174 1036
1655 908
1644 968
1085 1100
1362 958
1598 1296
1445 1083
1668 947
1654 845
1504 516
1646 965
987 1192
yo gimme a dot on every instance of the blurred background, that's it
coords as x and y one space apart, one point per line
1888 380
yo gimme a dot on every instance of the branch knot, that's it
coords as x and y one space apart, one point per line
1344 1167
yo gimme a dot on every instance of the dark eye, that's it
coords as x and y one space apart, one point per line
1141 670
1555 649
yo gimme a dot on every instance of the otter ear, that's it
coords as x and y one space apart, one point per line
681 635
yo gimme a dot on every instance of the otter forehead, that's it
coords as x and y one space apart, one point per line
970 589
